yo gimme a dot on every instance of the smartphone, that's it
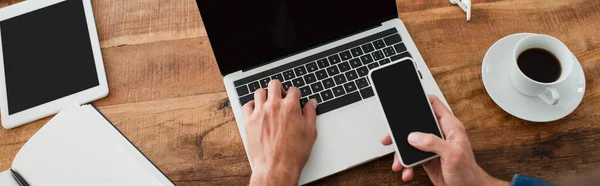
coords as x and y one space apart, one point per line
406 108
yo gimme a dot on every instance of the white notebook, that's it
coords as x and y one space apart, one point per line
79 146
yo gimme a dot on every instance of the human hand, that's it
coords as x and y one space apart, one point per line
280 135
456 164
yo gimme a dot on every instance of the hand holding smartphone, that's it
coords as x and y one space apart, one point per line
406 107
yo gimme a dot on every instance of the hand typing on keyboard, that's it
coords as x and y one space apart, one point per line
280 134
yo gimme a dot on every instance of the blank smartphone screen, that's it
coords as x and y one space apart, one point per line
406 107
47 55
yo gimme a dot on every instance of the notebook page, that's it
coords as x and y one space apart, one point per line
6 179
79 147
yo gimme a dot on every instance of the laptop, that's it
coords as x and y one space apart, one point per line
326 49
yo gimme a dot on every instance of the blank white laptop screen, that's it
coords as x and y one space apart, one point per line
47 55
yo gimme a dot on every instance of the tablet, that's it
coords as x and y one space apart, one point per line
49 58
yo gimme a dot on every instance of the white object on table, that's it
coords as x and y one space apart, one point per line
496 69
79 146
465 5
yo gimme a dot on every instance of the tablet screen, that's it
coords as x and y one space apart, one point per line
47 55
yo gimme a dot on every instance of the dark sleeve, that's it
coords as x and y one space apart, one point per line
521 180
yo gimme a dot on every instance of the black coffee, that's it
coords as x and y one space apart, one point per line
539 65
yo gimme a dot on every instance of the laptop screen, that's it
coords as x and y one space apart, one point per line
246 34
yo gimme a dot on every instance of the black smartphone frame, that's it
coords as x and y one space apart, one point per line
417 76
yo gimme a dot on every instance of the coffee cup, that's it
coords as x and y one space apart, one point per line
540 63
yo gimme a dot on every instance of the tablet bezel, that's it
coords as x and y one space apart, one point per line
52 107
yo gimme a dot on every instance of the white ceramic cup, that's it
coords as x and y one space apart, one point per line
530 87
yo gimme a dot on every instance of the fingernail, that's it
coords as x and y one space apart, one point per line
414 137
313 102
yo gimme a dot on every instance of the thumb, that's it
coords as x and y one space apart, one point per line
310 112
428 143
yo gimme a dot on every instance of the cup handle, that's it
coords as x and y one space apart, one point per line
551 96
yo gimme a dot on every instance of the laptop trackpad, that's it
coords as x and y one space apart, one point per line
347 137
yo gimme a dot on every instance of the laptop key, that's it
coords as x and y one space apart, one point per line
352 75
278 77
310 78
345 66
303 102
300 71
355 63
366 59
356 52
246 99
333 70
334 59
389 51
328 83
362 83
367 93
373 65
363 71
390 40
321 74
350 86
316 87
338 91
242 90
400 56
378 55
298 82
379 44
385 61
340 79
264 83
322 63
316 97
345 55
327 95
368 48
400 47
338 102
286 85
253 86
311 67
305 91
288 75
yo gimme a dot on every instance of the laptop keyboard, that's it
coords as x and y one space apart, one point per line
336 77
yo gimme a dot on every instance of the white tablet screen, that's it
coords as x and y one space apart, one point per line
47 55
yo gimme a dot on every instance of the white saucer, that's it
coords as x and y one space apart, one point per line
496 69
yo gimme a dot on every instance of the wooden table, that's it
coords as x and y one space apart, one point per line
167 95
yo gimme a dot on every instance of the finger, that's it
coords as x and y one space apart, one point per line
275 89
446 119
248 109
431 165
260 97
310 113
428 143
408 174
293 93
438 107
396 166
386 140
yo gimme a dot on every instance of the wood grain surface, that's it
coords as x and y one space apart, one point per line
167 95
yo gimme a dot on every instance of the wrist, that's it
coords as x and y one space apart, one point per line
275 175
491 181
